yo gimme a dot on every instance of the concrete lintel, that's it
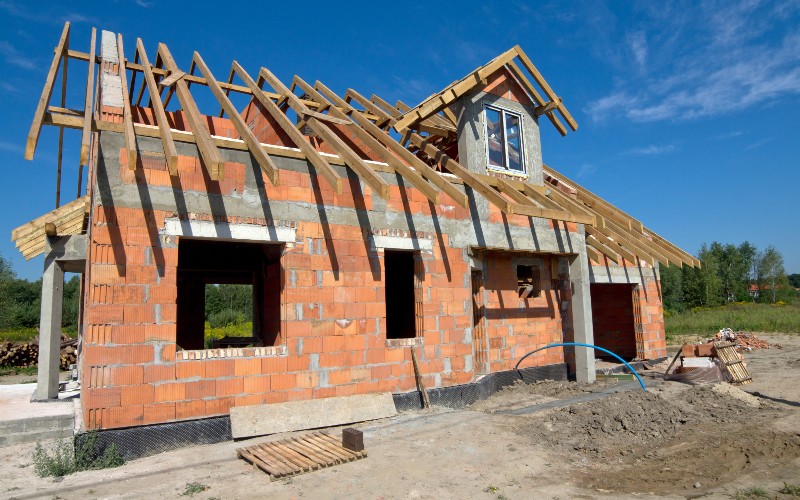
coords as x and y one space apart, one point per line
66 249
401 243
210 229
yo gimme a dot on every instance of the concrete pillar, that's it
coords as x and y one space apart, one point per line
582 316
50 330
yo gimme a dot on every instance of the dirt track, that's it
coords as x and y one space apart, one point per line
674 441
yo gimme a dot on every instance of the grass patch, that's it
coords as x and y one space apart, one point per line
754 492
192 488
790 489
740 316
65 459
22 334
17 370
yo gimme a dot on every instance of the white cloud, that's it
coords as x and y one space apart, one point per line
14 57
585 170
651 150
727 58
11 147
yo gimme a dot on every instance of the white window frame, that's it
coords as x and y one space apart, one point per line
505 168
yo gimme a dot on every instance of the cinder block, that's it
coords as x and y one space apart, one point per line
353 439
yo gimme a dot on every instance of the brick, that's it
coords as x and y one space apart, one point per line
219 406
175 391
126 375
283 381
257 385
217 368
159 373
229 386
137 395
245 367
190 409
190 369
158 413
201 389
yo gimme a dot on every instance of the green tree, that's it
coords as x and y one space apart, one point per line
672 287
772 281
794 280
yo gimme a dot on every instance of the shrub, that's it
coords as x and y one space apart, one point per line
67 459
226 317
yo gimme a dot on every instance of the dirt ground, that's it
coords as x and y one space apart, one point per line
544 440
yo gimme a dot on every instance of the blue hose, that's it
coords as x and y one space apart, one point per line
564 344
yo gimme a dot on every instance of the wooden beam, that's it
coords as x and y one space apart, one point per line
311 154
591 253
47 91
537 97
86 135
396 148
545 108
323 132
547 90
168 144
127 117
615 245
590 241
208 150
624 241
60 156
174 77
227 91
411 175
264 161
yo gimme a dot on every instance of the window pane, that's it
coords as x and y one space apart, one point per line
494 138
514 142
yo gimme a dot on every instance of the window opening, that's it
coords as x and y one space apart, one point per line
401 297
229 294
529 282
504 140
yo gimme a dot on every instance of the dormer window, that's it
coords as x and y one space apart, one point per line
504 140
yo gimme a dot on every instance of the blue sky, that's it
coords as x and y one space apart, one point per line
689 112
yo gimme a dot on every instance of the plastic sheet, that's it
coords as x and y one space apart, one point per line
699 376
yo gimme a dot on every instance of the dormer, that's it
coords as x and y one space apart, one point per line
498 131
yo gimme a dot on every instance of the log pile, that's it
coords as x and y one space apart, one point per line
25 354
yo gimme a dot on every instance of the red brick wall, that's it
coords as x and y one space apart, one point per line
516 325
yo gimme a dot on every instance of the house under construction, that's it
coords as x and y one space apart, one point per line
370 232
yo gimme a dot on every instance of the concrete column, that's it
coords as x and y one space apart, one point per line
50 330
582 316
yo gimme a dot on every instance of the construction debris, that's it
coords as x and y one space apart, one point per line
25 354
744 341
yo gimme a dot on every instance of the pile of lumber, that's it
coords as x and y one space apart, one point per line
25 354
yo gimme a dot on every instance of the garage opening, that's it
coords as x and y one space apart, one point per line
399 274
229 294
614 319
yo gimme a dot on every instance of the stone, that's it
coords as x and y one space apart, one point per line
260 420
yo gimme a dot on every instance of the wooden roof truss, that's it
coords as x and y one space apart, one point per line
427 131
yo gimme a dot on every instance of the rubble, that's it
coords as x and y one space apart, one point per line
744 341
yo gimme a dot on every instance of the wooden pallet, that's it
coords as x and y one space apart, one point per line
734 365
299 454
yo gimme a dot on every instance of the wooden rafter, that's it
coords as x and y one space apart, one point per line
158 110
127 117
429 190
520 76
86 135
47 91
443 99
249 138
208 150
311 154
323 132
396 148
547 90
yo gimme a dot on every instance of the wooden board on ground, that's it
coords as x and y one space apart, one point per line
299 454
734 365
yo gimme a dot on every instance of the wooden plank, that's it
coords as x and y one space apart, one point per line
60 156
168 144
261 464
281 468
395 147
468 177
300 459
208 150
350 157
86 135
227 91
537 97
323 168
290 459
614 245
443 99
321 451
591 241
249 138
312 452
430 191
127 117
174 77
273 454
625 242
593 254
47 91
320 440
547 90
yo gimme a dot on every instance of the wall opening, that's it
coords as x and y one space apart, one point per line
229 294
401 294
529 281
613 319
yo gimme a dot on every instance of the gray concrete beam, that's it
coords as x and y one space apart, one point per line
50 330
582 315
